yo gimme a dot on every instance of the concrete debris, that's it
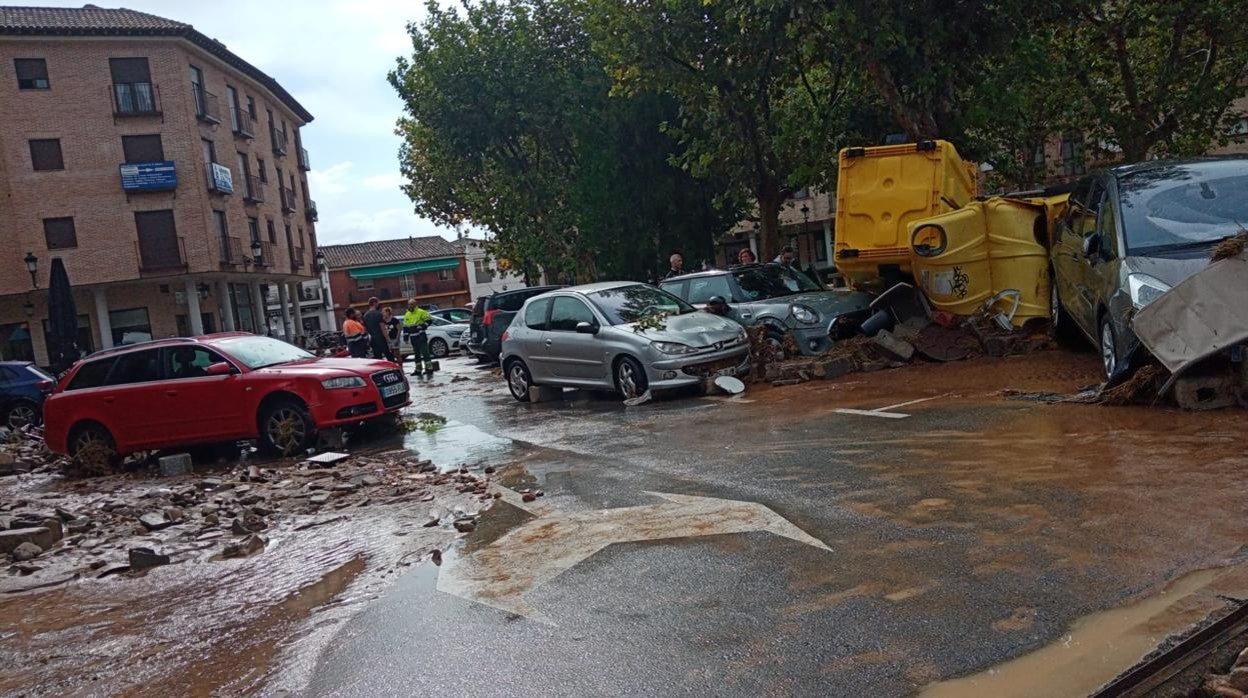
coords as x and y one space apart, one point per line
175 465
146 558
893 347
155 521
40 536
247 547
25 551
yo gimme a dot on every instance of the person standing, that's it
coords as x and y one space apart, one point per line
416 322
678 266
390 325
376 333
786 257
355 334
746 256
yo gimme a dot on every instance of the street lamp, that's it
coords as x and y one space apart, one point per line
320 261
32 266
256 251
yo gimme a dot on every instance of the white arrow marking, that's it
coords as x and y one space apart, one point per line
503 572
884 411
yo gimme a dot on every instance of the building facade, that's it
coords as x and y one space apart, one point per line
807 222
430 269
166 173
486 276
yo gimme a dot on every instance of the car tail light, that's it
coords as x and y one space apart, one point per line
45 386
506 334
488 318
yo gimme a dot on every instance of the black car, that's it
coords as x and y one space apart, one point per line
491 316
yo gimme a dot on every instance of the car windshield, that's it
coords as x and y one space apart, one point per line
771 281
1183 205
258 352
631 303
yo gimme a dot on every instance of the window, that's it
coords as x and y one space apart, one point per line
210 150
272 230
446 274
220 224
701 289
363 284
32 73
142 148
59 233
180 363
231 103
821 248
184 324
45 154
481 268
631 303
137 367
407 285
243 165
15 342
261 170
91 374
251 106
130 326
566 312
82 337
132 86
535 314
158 241
253 227
1072 154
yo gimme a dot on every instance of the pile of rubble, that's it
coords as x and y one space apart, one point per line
129 522
1232 684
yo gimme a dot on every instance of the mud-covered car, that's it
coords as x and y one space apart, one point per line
780 299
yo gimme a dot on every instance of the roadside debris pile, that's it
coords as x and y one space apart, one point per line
131 522
24 452
1232 684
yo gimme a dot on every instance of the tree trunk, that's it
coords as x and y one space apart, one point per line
769 226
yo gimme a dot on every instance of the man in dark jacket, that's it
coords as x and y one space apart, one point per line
374 323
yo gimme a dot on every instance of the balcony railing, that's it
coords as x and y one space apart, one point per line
311 211
267 257
207 109
255 190
244 124
304 163
279 141
296 258
288 200
232 254
135 99
161 254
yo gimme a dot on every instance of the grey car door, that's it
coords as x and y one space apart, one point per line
574 356
530 331
1089 268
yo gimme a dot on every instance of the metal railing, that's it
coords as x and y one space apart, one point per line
288 200
313 216
244 124
304 163
255 190
135 99
279 141
267 256
207 108
161 255
232 251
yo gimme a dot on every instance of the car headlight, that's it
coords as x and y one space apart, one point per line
804 314
673 347
343 382
1145 289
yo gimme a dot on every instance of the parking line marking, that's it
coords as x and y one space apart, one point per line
884 411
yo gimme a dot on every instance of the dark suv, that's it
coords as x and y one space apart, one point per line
492 315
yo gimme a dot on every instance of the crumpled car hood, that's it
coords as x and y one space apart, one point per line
697 329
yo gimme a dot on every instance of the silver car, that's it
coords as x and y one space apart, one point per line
621 336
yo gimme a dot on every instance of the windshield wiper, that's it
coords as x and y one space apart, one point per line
1190 245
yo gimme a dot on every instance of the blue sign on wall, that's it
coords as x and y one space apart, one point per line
149 176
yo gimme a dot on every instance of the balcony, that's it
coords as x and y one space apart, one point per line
135 99
232 254
161 253
255 190
279 141
304 163
244 124
311 212
296 258
267 256
207 108
288 200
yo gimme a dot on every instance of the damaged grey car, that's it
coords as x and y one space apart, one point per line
1129 235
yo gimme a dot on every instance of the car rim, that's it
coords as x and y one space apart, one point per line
1108 354
777 348
439 349
518 381
628 380
286 430
92 449
20 416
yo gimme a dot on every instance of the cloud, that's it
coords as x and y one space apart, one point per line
361 225
390 180
332 180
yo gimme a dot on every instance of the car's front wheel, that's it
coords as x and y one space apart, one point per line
630 378
1109 349
286 428
519 380
22 413
438 347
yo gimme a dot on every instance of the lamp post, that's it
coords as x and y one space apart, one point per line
320 261
257 250
32 266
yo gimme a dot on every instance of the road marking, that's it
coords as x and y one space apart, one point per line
884 411
502 573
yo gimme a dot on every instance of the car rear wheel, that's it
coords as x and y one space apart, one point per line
437 347
1109 349
630 378
92 450
519 380
22 413
286 428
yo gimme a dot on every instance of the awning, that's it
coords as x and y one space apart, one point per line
405 268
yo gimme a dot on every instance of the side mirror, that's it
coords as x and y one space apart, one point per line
221 368
1091 245
586 328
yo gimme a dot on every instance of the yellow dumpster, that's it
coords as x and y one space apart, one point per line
881 190
963 258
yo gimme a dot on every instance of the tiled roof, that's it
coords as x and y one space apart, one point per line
97 21
364 254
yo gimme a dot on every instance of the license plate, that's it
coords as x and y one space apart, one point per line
392 390
725 372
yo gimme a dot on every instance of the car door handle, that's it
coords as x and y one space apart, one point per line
746 316
548 342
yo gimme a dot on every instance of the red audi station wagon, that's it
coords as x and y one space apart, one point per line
220 387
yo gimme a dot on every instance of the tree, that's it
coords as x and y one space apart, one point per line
755 108
509 126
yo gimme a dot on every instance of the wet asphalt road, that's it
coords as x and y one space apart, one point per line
973 531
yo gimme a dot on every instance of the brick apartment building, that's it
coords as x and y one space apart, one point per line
430 269
164 170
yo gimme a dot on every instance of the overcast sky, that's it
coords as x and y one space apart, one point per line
333 56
